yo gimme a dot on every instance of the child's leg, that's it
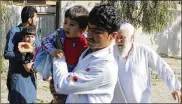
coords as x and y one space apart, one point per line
57 98
60 64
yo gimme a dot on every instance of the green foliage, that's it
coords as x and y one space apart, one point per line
5 17
152 16
5 14
3 64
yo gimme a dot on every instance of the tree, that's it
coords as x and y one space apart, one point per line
153 16
5 14
5 17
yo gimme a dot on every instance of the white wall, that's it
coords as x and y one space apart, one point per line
167 42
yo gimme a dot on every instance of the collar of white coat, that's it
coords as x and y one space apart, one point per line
104 51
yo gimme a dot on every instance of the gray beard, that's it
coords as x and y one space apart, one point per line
124 51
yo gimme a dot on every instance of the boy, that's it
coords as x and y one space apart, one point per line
75 23
27 47
23 86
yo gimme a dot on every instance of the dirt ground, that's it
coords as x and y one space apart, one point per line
160 92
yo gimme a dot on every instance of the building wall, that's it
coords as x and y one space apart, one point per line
166 43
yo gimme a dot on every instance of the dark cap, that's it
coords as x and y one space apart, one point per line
28 30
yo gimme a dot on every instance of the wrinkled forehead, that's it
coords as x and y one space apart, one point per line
123 33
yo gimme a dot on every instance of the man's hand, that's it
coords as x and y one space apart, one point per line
177 95
25 47
58 53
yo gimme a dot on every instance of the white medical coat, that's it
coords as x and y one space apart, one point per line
92 81
135 75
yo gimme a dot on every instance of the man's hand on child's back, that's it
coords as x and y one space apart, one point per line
58 53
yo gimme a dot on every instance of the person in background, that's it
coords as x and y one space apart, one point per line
135 62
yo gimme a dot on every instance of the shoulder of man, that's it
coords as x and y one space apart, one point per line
15 29
143 47
109 58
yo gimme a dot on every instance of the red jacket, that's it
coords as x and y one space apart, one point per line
73 47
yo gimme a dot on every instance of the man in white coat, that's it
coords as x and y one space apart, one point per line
135 63
94 78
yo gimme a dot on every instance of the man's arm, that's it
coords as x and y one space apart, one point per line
86 81
28 61
166 73
157 64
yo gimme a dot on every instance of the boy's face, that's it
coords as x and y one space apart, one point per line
71 28
29 38
98 38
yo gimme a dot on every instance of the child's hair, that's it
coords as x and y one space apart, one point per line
105 16
79 14
28 30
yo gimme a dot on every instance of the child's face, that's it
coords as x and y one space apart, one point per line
71 28
30 39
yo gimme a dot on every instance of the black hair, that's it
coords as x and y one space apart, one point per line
105 16
28 30
27 12
79 14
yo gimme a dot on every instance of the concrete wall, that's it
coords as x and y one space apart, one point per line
167 42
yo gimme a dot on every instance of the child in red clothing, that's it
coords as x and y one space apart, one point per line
71 38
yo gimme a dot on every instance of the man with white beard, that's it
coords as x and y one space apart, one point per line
135 62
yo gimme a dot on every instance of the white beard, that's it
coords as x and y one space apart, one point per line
123 52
